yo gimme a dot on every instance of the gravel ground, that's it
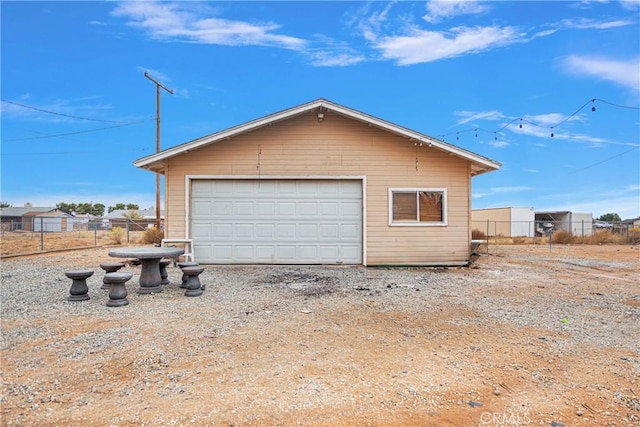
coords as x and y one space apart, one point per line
525 336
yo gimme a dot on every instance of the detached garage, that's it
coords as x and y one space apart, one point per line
320 183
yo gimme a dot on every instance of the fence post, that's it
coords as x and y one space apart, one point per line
127 230
41 234
95 234
487 237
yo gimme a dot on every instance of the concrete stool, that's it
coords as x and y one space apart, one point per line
134 262
163 271
183 264
79 290
194 287
118 292
110 267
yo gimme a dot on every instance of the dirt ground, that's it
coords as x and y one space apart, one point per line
384 353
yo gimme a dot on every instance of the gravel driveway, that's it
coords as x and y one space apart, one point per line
527 335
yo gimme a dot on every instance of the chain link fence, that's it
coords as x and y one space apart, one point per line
572 231
44 234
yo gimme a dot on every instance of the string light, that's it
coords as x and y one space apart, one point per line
522 120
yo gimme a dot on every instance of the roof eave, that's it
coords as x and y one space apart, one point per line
155 162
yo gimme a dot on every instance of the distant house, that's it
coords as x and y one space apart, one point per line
134 219
29 218
320 183
506 221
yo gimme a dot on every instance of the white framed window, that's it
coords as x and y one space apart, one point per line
417 207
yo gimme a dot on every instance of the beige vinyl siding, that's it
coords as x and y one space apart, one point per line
303 147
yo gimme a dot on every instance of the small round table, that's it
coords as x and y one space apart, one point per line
150 278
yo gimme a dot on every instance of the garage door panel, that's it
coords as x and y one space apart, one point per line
265 253
221 209
277 221
202 208
286 231
308 231
202 231
222 231
285 253
222 252
306 209
329 209
308 253
244 252
350 231
329 231
350 252
243 208
351 210
287 209
265 230
244 231
265 208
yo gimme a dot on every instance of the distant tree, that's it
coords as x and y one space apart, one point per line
117 207
4 205
98 209
610 217
123 207
84 208
69 207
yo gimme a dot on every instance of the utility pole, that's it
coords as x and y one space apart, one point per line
158 86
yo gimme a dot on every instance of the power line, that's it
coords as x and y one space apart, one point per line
73 133
59 114
606 160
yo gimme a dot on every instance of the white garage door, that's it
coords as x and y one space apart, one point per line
277 221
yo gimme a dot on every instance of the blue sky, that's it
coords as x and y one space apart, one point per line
77 109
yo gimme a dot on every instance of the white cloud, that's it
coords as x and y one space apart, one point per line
155 74
622 72
438 10
421 46
189 22
515 189
499 143
470 116
370 25
333 54
586 24
332 58
630 4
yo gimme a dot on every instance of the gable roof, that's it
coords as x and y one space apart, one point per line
20 210
479 164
